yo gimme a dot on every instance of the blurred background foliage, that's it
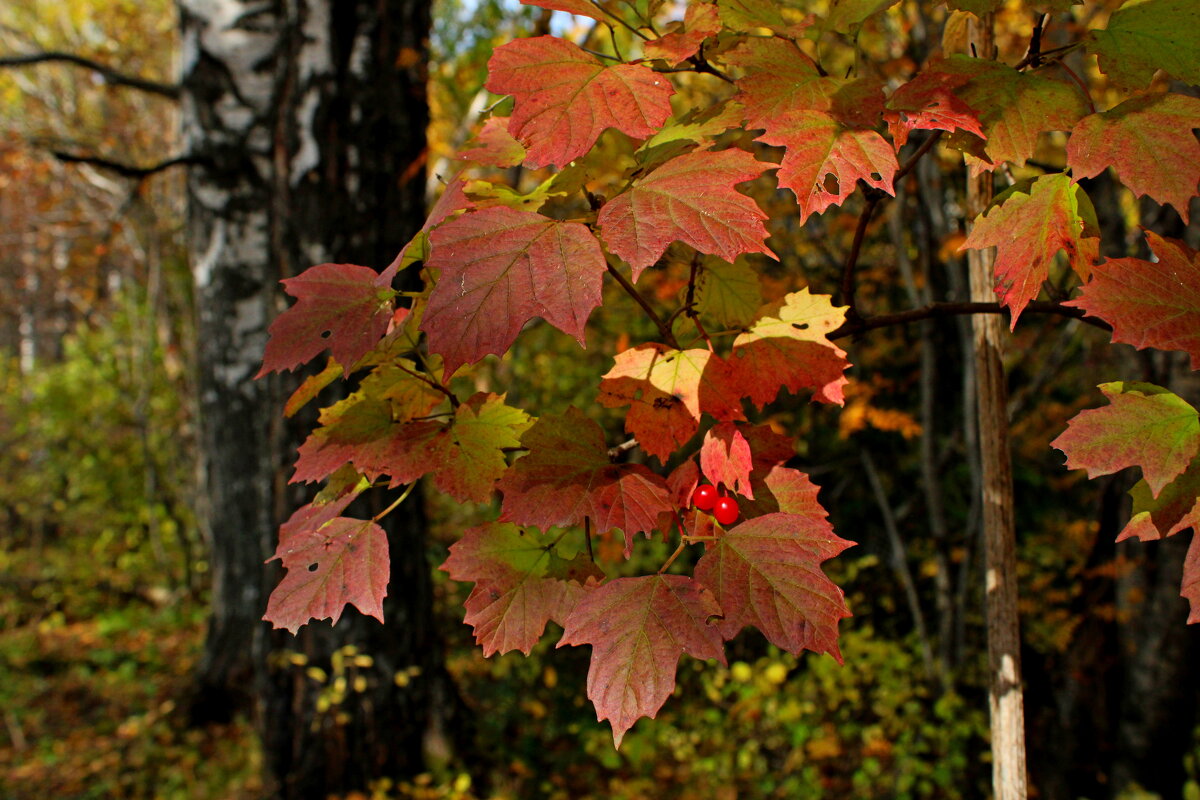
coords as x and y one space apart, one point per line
102 587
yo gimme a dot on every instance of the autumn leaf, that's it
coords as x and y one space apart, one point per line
824 160
494 146
766 573
929 102
468 457
1176 508
1144 36
700 21
725 458
690 199
847 16
779 488
1144 425
790 349
499 269
567 477
565 98
514 597
343 561
343 307
638 628
1028 225
668 391
1149 304
728 293
1149 141
747 15
580 8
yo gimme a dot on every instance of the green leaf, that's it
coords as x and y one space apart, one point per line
729 294
1148 35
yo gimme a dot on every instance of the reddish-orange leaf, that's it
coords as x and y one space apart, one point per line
1143 425
343 561
581 8
689 199
790 349
1149 304
514 597
565 97
343 307
749 15
766 573
667 391
699 23
494 146
568 476
725 458
824 160
499 269
638 628
929 102
1149 141
1028 225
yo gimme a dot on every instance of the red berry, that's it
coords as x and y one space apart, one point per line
726 510
705 497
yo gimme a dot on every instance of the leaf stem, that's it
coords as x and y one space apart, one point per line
587 537
667 565
429 380
403 496
631 290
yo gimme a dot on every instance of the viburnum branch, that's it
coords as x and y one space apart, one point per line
667 564
917 155
938 310
1078 82
622 22
109 74
631 290
689 306
615 451
587 538
1033 57
403 496
429 380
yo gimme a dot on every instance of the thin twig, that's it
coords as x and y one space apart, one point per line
619 19
615 451
108 73
430 381
631 290
125 170
938 310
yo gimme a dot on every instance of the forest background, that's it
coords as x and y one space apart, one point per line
105 574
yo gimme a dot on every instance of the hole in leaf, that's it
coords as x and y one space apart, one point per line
800 326
326 334
312 567
830 184
875 176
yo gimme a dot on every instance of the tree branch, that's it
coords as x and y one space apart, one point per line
124 170
110 75
938 310
631 290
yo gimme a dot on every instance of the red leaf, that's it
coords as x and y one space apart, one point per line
340 306
1175 509
467 458
567 476
513 597
779 488
824 160
1149 304
638 628
790 349
494 146
1144 425
565 98
929 102
781 80
499 269
699 23
345 561
766 573
1028 224
690 199
581 8
725 458
1149 141
314 515
667 391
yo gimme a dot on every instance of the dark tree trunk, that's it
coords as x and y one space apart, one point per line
311 117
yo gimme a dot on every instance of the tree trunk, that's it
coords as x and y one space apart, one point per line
310 118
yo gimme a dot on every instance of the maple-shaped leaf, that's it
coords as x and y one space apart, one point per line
1176 508
668 391
748 15
697 126
567 477
929 102
468 457
312 386
1028 225
824 160
638 628
1149 304
343 561
580 8
1149 141
1015 107
499 269
779 488
494 146
565 97
766 573
790 349
728 293
781 80
343 307
699 22
312 516
847 16
725 458
514 597
1144 36
976 7
689 199
1144 425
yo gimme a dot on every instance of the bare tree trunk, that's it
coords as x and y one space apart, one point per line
1005 698
309 118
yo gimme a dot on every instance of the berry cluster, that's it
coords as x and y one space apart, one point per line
723 507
